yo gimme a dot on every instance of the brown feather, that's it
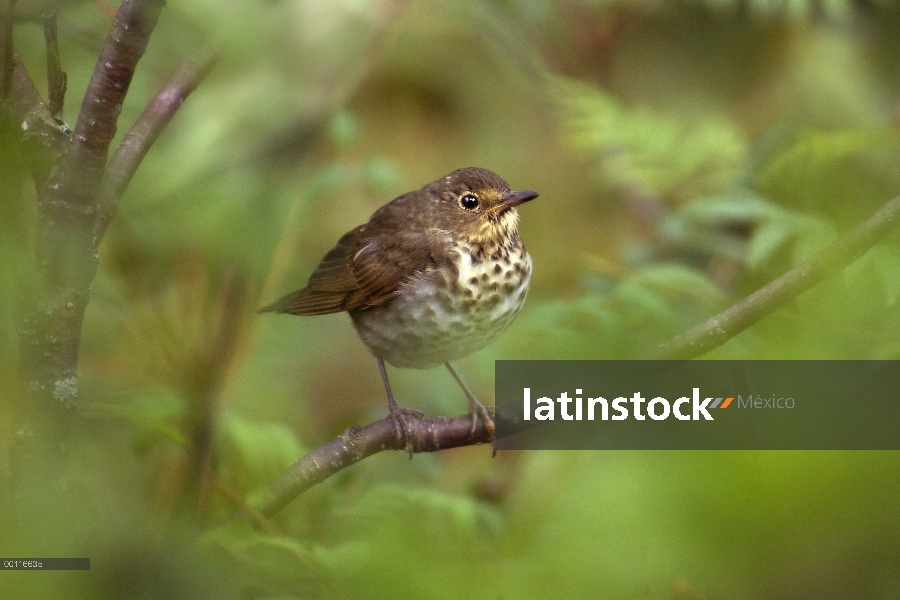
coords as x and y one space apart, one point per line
404 238
362 271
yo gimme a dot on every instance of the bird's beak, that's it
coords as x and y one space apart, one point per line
517 198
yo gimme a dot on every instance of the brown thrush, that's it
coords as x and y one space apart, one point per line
435 275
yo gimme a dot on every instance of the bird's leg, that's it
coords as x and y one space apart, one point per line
476 408
398 415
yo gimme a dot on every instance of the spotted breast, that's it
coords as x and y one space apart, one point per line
454 308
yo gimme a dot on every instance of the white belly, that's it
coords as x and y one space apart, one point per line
425 326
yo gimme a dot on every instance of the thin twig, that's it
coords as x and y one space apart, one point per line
146 129
56 77
357 443
719 329
96 124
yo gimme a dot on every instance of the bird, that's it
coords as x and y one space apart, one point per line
433 276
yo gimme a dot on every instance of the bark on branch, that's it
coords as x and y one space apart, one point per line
128 156
96 125
357 443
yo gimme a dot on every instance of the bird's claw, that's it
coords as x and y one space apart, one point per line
401 425
477 409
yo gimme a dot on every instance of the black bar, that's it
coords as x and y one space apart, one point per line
45 564
698 405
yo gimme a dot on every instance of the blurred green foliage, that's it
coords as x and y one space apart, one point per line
686 153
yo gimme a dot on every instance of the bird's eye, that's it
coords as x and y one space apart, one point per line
469 202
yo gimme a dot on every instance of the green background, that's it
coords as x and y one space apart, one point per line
686 153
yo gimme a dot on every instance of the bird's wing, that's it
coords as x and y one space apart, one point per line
360 272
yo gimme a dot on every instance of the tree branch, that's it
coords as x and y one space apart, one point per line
96 124
56 78
128 156
357 443
719 329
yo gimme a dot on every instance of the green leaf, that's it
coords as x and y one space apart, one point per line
155 416
420 511
675 279
741 206
275 561
815 151
775 229
252 454
767 240
879 266
636 147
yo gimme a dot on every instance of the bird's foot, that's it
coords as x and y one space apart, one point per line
477 409
401 424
